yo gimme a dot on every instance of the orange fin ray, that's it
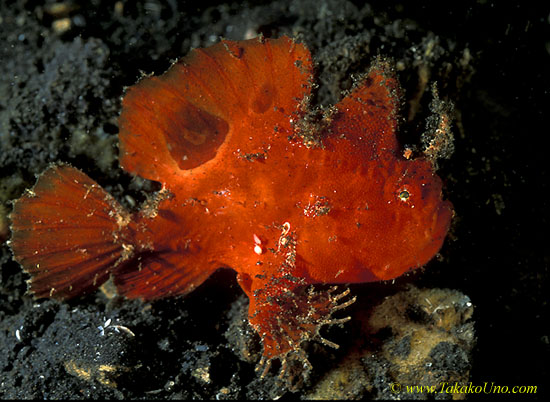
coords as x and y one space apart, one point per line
183 119
68 233
161 275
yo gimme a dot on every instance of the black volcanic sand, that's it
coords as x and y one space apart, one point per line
63 69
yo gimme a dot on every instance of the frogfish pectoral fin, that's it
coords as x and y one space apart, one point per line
286 312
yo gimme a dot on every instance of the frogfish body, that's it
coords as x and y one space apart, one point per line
248 183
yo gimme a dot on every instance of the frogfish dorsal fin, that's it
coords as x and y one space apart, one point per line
182 119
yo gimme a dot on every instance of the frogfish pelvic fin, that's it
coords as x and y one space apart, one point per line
246 185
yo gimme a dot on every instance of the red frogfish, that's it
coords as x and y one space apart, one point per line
249 183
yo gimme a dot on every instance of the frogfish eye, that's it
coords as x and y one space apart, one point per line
404 195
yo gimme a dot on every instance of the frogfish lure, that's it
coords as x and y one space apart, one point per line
248 183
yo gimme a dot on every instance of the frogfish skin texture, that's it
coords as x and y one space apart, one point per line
248 183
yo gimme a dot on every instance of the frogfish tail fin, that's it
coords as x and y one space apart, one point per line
68 233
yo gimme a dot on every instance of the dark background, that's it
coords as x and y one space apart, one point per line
60 95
